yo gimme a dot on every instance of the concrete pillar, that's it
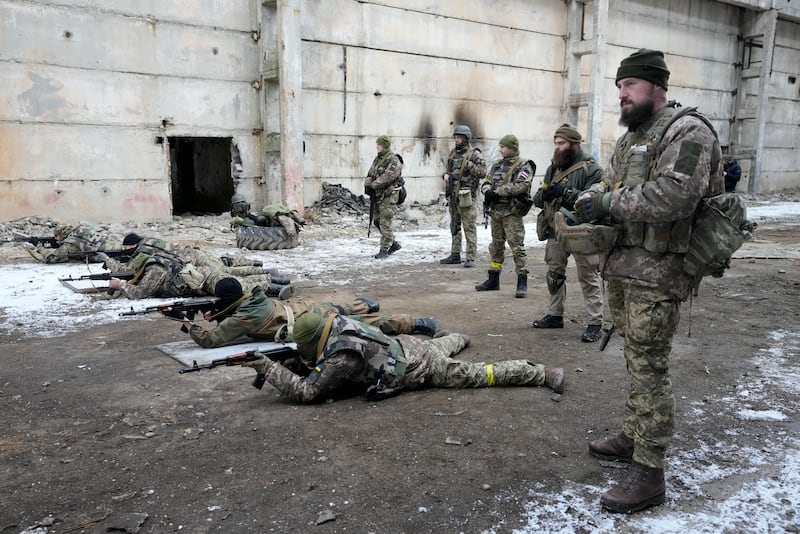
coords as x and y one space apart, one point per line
290 77
768 21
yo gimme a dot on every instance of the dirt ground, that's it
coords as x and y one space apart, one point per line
100 433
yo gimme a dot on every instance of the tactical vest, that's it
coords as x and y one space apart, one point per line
382 355
457 168
157 251
637 166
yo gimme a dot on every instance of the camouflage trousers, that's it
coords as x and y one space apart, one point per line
466 217
648 318
398 323
384 215
508 228
214 270
555 256
446 372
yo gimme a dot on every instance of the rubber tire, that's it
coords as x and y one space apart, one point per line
264 238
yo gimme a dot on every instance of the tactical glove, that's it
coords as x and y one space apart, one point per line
100 257
490 196
261 364
553 191
593 207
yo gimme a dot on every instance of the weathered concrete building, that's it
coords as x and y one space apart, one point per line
119 110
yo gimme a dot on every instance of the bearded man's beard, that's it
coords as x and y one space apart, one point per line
562 159
636 115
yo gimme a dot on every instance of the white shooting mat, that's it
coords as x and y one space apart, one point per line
187 352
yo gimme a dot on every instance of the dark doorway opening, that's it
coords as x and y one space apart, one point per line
201 174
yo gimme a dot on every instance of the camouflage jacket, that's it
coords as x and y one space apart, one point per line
510 177
82 239
576 182
384 173
466 169
347 365
656 189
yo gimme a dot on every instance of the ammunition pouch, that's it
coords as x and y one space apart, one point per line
521 205
584 238
555 281
465 198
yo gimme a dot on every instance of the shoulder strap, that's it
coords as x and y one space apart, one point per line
326 331
510 171
563 174
464 162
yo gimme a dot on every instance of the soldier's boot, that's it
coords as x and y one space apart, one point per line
592 333
282 292
279 279
554 379
373 306
490 284
258 263
394 248
618 448
470 263
642 488
522 286
453 259
549 321
427 326
382 254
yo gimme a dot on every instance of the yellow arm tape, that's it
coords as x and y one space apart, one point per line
489 375
497 266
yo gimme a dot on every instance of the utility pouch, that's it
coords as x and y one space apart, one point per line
465 198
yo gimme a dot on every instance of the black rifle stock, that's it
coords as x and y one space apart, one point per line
99 276
278 354
121 255
176 309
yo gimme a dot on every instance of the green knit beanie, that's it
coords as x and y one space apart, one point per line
384 141
510 141
644 64
305 328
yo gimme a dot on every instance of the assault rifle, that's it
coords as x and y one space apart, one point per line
370 192
606 338
99 276
121 255
278 354
49 242
178 309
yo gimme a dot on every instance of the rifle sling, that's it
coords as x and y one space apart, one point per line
562 175
326 331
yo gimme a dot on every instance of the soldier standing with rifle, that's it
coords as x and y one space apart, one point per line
383 184
465 168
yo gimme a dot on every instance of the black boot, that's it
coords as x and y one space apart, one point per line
381 254
549 321
453 259
279 279
373 305
522 286
282 292
427 326
394 248
258 263
491 284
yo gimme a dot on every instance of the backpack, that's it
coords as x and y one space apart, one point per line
720 226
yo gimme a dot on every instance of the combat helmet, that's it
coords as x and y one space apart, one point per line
63 231
239 205
464 130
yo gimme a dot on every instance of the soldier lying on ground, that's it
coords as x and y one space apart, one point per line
72 242
347 356
271 215
164 270
253 314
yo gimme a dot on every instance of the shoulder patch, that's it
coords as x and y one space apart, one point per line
688 157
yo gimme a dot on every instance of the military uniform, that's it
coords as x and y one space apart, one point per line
355 357
659 173
465 169
507 183
72 241
383 183
259 317
164 271
569 181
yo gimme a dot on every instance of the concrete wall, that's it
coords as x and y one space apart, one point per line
87 86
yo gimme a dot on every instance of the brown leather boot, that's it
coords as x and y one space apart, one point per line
619 448
642 488
554 379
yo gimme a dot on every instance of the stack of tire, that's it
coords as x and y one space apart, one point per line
264 238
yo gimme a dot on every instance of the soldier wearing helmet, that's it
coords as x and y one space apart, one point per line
75 242
464 171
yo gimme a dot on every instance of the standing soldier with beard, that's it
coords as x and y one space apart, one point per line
661 169
571 172
465 168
